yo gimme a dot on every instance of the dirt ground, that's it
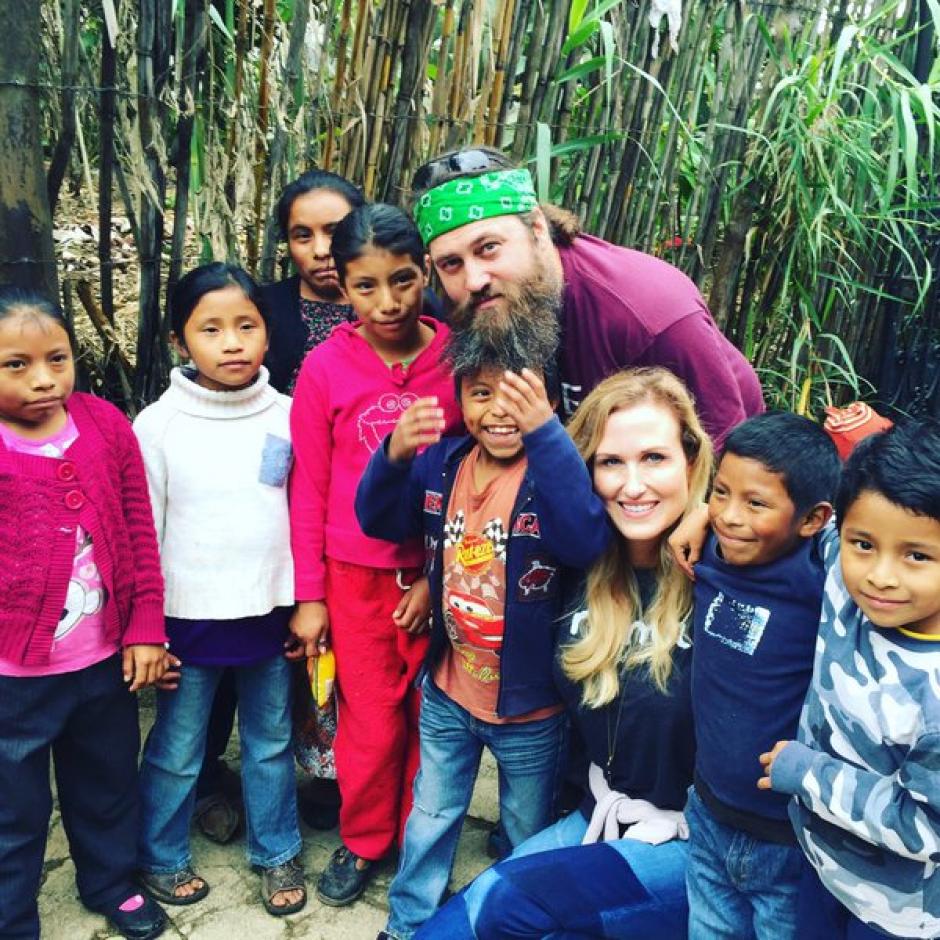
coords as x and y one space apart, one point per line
233 910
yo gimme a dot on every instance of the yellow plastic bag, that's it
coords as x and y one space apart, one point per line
322 672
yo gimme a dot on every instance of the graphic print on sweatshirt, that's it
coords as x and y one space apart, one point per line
738 625
477 526
84 599
379 420
474 592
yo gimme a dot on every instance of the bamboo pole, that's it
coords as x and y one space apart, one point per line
71 10
194 40
339 84
260 160
498 80
106 115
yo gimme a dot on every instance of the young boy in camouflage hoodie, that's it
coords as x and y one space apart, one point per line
865 770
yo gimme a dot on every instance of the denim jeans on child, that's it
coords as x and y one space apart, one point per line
452 742
740 887
88 721
173 756
552 886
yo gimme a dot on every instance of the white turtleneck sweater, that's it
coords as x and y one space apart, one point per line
217 466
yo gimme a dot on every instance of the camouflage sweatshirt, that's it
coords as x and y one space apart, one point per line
865 771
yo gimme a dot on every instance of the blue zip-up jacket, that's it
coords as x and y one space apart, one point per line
557 522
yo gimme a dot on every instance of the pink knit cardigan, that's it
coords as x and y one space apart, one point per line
100 485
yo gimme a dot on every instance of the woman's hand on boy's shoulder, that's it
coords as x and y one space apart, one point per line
419 426
143 664
524 399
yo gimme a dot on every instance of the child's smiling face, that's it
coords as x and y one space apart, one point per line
751 512
891 563
497 434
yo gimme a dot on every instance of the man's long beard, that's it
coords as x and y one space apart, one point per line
521 330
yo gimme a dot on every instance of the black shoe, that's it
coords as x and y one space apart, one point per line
148 921
341 881
317 815
498 845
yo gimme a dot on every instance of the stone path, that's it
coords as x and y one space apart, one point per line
233 910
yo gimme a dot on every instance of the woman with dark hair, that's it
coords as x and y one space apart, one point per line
307 306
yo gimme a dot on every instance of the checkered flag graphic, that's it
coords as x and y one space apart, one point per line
454 530
497 534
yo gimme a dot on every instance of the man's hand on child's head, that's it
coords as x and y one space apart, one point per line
420 426
413 610
688 538
767 762
143 664
524 399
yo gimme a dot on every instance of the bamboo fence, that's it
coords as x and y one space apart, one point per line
721 155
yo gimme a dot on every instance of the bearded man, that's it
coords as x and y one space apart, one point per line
498 254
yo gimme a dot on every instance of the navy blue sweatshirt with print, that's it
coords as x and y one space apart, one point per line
755 635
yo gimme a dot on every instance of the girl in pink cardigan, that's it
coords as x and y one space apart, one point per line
81 625
353 591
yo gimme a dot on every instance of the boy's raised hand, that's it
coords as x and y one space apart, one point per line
143 664
524 399
688 538
421 425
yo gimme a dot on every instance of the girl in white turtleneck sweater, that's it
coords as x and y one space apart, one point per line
217 451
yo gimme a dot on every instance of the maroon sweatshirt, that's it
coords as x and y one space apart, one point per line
624 308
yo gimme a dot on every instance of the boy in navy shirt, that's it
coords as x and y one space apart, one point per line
758 591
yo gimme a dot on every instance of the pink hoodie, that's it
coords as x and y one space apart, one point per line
346 401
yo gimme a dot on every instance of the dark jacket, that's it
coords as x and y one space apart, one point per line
287 343
557 523
287 337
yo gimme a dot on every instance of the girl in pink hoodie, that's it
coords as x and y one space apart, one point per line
353 591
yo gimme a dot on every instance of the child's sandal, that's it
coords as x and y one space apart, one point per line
286 877
161 886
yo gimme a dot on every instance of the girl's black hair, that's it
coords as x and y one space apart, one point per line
216 275
378 225
25 300
309 182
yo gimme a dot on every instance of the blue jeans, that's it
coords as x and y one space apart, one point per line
739 887
452 742
173 757
552 886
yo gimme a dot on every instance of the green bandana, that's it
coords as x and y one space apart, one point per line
471 198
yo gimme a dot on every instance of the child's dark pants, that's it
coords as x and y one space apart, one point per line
88 720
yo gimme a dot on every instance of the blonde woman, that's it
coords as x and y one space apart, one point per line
616 866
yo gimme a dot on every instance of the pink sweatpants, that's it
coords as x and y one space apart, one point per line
376 743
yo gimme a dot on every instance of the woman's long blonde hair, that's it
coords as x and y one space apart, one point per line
613 601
